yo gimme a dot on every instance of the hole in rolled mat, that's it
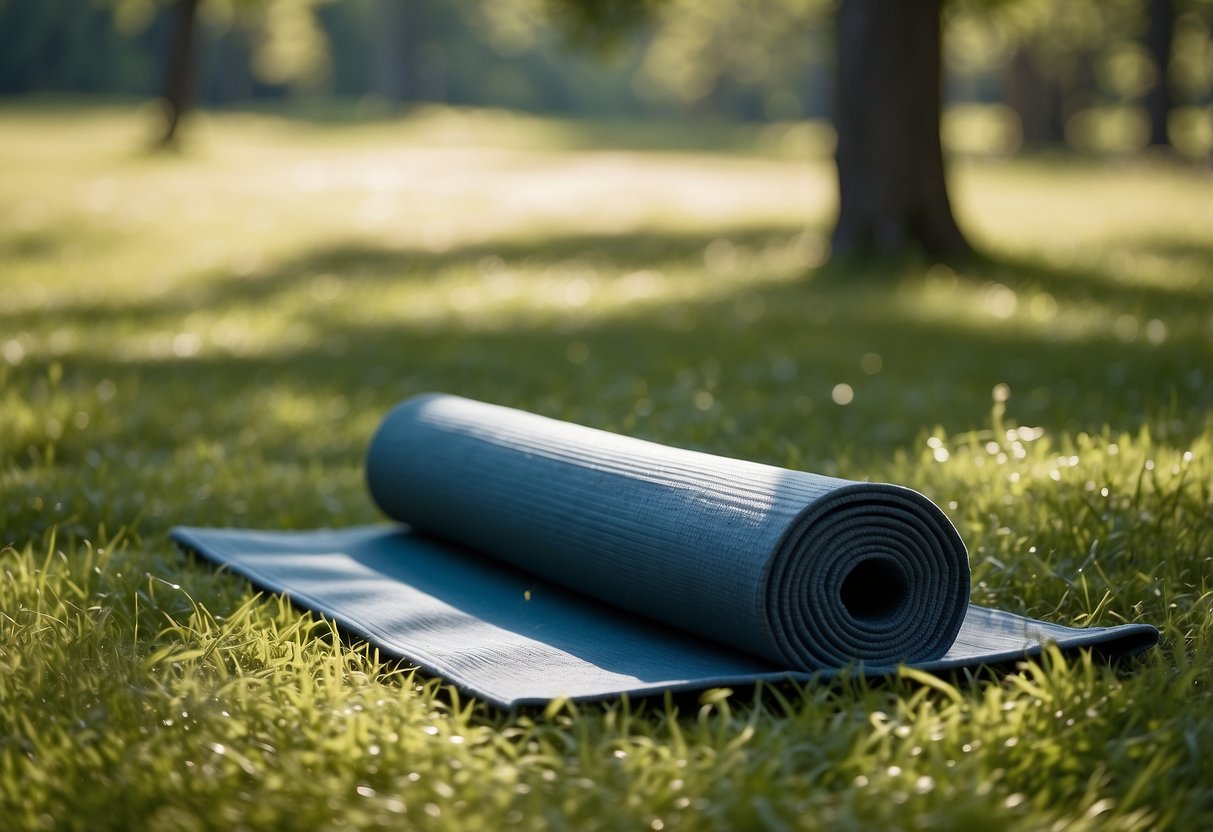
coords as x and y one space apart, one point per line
874 589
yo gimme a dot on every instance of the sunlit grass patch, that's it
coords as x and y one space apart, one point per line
211 339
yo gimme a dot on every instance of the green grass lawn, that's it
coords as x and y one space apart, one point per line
210 339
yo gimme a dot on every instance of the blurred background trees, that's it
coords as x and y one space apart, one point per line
1093 75
1101 76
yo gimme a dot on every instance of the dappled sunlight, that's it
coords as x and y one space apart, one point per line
1072 212
676 294
1174 265
373 200
211 340
1056 506
439 197
238 210
1031 311
578 284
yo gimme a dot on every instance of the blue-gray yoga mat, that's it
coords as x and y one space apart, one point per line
534 559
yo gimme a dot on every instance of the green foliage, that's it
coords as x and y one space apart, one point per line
601 22
58 45
288 44
211 339
1082 42
764 60
780 48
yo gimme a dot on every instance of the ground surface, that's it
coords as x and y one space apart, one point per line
210 339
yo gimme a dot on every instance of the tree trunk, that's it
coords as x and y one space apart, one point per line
892 193
179 83
1159 36
1037 100
388 67
234 81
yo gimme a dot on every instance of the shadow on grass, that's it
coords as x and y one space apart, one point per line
388 266
796 369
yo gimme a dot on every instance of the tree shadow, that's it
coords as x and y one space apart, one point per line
795 368
386 265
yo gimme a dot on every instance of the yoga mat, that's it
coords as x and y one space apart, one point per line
533 559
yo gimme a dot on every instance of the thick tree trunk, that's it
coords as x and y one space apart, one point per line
1159 36
179 80
892 192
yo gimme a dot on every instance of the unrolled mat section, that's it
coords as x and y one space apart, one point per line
537 558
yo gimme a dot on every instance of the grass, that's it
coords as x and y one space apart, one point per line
210 339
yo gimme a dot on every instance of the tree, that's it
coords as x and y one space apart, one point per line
892 187
892 192
289 45
1159 37
1037 98
179 72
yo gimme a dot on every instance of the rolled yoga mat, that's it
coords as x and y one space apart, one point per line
539 559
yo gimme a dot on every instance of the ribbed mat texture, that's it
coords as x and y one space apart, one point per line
541 559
